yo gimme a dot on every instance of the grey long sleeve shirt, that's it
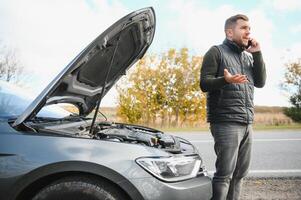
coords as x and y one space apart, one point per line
208 79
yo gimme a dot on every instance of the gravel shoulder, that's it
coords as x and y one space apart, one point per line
271 188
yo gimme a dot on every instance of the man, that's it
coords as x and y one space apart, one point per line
229 73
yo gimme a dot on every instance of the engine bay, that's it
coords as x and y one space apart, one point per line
116 132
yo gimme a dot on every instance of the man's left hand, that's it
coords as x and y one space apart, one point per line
255 46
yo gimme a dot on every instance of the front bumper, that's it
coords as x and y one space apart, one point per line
198 188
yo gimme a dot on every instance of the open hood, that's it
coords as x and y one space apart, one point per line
98 66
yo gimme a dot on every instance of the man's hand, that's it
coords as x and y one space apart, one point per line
237 78
255 46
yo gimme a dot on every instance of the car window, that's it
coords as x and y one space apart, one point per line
53 111
14 100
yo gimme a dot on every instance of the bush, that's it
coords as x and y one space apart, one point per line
294 113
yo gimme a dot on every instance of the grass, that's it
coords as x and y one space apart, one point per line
186 129
295 126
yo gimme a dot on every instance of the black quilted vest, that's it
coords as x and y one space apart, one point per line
233 102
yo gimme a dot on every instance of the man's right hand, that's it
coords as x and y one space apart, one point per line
237 78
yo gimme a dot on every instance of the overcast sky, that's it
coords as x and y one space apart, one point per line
48 34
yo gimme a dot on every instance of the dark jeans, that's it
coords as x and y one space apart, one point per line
232 146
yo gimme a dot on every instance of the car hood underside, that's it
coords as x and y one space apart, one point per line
96 69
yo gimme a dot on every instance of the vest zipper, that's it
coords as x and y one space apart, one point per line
245 87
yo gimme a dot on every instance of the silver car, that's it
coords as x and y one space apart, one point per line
48 153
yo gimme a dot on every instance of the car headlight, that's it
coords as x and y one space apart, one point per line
171 169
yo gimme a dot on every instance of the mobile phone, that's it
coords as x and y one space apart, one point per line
249 44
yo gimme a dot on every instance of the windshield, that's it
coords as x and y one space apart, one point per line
14 100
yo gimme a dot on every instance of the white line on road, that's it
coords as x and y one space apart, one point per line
280 171
254 140
200 141
275 171
277 140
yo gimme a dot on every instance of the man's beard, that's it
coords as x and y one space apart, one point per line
241 44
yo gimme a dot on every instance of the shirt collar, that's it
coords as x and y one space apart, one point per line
232 45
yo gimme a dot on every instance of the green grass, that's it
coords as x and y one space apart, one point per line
279 127
296 126
186 129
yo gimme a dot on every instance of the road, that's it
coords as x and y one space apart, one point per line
275 153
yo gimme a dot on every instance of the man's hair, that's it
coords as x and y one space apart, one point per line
231 22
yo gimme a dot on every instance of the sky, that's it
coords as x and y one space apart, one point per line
48 34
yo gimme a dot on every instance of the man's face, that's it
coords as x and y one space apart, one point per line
240 33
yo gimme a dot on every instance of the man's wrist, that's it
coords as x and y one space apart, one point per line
225 81
256 53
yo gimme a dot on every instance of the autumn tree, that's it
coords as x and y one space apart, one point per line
163 87
292 83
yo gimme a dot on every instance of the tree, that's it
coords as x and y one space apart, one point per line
10 69
292 83
163 89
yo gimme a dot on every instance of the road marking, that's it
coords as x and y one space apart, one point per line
200 141
254 140
275 171
280 171
277 140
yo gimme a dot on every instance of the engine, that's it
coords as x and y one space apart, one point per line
140 135
117 132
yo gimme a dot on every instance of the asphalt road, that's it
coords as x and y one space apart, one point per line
275 153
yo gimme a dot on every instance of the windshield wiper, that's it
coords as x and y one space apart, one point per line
106 119
43 119
74 116
10 119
